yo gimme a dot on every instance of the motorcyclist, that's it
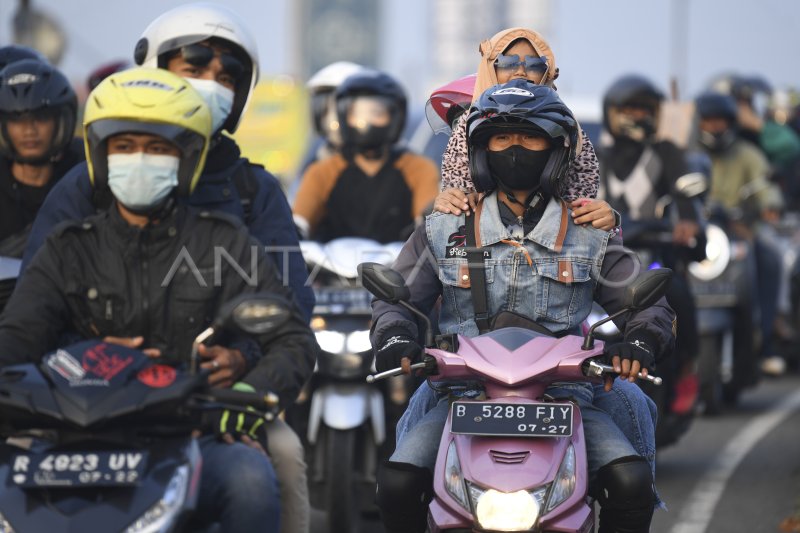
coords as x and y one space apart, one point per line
519 53
321 88
740 185
636 172
210 45
38 109
143 269
390 184
521 141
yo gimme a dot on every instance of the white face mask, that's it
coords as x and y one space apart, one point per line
218 97
140 181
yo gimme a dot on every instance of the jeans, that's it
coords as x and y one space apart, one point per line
288 458
238 488
617 424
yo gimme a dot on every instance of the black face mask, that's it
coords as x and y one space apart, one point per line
717 142
517 168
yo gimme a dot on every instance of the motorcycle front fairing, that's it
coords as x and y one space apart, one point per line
514 366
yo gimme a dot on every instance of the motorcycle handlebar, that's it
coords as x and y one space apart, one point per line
261 402
593 368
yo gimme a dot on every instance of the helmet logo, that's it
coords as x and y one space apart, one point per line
147 83
21 78
513 90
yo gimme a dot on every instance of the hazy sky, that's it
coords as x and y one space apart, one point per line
594 40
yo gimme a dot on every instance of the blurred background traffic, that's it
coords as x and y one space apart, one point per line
682 46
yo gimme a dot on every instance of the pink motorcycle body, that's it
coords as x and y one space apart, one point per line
514 370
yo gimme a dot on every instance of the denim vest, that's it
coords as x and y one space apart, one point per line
553 283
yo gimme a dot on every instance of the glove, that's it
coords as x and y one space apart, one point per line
236 423
637 346
398 344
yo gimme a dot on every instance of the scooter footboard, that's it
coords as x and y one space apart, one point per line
470 466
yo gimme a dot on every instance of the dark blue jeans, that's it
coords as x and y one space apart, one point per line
238 488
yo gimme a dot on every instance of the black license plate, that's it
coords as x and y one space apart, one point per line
78 469
512 419
344 299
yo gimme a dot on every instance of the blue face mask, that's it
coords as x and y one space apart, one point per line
218 98
142 181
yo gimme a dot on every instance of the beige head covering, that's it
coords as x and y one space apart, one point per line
491 48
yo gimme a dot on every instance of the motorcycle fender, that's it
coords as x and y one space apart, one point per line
346 406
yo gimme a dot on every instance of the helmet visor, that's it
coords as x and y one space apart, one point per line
366 112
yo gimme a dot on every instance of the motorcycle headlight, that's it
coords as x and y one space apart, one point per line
331 341
5 527
358 341
453 479
161 516
718 255
507 511
564 484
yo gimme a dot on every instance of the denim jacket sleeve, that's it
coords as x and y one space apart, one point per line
273 226
70 199
418 266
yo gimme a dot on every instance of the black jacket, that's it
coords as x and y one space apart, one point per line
19 203
164 282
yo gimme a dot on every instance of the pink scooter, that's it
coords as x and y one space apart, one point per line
512 459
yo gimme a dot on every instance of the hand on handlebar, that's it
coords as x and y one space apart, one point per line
230 426
394 349
630 357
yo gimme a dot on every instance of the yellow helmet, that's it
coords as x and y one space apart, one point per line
153 101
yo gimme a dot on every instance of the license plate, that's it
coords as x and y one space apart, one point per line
512 419
343 299
78 469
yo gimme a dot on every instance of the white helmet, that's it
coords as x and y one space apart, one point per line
323 109
193 23
331 76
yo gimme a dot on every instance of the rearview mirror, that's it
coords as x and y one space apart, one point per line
691 185
384 283
647 289
254 314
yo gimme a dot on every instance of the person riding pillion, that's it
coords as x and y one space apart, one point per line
539 267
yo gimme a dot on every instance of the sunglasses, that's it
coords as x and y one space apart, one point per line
200 56
513 62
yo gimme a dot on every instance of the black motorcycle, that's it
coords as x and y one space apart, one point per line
100 437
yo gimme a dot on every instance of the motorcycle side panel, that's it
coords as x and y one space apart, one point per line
346 406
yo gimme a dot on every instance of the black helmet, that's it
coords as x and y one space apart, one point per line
715 105
14 52
31 86
520 105
631 91
371 83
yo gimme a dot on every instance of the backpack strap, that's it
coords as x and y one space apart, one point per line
247 186
477 269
